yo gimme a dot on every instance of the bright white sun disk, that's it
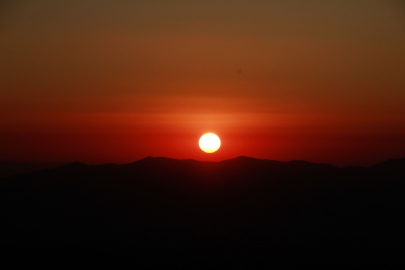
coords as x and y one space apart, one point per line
209 143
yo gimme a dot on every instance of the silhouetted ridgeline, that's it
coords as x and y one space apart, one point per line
12 168
240 211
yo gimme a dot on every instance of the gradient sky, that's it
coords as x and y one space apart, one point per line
114 81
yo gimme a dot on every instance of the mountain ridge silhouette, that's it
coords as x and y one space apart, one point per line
242 208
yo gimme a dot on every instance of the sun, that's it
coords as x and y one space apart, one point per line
209 142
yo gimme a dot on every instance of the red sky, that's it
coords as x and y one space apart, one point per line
115 81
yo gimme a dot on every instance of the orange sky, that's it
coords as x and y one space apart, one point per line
114 81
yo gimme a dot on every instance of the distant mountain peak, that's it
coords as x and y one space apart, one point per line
391 164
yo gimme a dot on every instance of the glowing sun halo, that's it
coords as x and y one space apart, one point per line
209 143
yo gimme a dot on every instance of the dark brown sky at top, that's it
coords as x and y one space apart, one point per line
115 81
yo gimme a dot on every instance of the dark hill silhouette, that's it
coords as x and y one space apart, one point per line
12 168
234 212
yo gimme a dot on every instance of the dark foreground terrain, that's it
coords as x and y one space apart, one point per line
237 213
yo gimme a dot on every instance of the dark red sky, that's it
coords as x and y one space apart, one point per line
115 81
